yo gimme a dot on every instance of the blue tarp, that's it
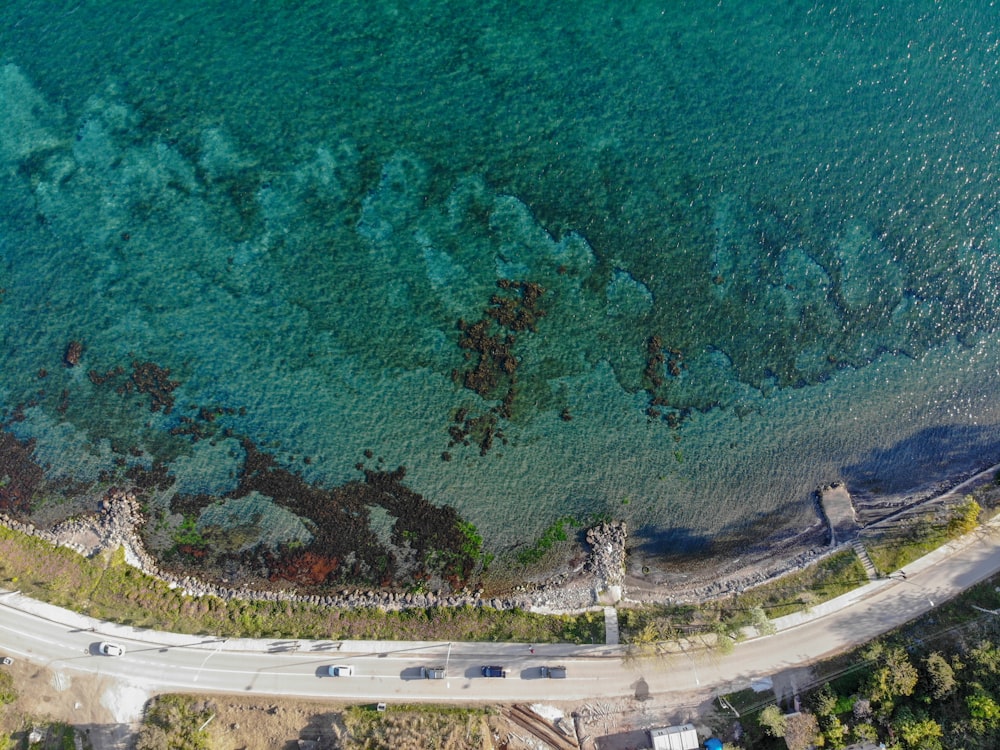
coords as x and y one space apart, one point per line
713 744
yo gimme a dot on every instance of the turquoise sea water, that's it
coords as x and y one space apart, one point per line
292 205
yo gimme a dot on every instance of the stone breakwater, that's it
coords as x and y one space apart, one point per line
597 582
120 515
607 558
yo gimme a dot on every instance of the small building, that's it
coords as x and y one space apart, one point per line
683 737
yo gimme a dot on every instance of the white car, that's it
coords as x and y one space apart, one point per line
111 649
340 670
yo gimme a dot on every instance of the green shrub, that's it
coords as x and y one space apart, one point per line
176 722
8 694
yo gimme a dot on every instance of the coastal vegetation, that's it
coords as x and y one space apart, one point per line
906 542
106 587
826 579
720 623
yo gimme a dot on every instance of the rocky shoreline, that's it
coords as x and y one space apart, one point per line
119 516
602 579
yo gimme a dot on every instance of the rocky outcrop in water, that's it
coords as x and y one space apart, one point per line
72 354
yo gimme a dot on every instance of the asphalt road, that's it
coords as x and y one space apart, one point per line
158 662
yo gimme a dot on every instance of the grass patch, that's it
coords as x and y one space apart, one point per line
896 550
106 587
655 623
8 693
416 727
175 721
749 702
824 580
721 621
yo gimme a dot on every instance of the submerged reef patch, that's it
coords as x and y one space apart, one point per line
491 341
427 543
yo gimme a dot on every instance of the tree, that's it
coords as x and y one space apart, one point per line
824 701
725 637
801 730
917 730
965 517
862 709
895 676
985 661
834 733
643 643
940 675
772 721
759 619
864 732
983 711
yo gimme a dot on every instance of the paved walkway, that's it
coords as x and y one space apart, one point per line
611 626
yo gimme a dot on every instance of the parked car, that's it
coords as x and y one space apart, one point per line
111 649
494 672
340 670
6 661
555 673
432 673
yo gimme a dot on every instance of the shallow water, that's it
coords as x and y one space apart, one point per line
291 209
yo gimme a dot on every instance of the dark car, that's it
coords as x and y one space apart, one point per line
555 673
494 672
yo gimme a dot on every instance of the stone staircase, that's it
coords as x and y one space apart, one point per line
866 561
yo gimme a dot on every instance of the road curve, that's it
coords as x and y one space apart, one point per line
386 670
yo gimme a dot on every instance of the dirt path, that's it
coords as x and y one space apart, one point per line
91 703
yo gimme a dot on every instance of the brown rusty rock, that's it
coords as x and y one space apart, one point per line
71 357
